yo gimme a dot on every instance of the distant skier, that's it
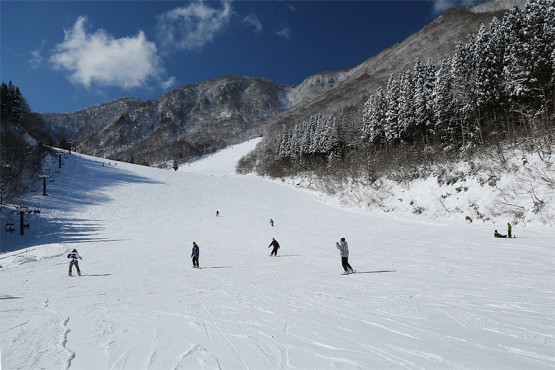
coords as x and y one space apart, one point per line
497 235
75 257
344 250
217 213
509 230
274 244
195 254
272 222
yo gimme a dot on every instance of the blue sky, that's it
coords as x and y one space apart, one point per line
68 55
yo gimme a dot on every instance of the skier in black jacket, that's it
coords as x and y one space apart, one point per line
195 254
274 244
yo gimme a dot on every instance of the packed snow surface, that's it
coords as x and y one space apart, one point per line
434 295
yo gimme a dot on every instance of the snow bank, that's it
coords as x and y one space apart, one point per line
520 191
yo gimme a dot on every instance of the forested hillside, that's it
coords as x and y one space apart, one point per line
497 86
20 153
494 93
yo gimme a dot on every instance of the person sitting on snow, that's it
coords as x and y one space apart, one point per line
497 235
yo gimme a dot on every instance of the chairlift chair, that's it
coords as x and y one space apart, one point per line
10 225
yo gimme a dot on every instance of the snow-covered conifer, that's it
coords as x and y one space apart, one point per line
374 118
391 127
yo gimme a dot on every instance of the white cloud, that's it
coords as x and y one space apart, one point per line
168 84
252 20
36 56
284 33
98 58
191 27
440 6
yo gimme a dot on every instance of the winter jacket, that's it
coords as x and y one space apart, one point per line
74 256
343 248
196 251
274 244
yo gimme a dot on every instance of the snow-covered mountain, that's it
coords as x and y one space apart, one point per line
427 295
74 125
197 119
187 122
330 91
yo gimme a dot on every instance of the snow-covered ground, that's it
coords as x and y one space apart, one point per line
518 188
427 295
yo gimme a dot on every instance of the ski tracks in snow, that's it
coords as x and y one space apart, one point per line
245 364
42 338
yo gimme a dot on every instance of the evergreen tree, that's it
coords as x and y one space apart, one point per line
374 118
391 127
485 78
516 74
443 107
539 30
13 105
406 107
423 88
4 102
462 71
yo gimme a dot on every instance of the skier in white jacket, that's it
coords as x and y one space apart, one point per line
344 249
75 257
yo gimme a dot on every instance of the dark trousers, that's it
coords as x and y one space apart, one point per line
274 252
195 261
76 264
345 264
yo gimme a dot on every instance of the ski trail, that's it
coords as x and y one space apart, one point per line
14 327
221 332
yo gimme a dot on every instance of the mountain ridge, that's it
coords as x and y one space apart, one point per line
200 118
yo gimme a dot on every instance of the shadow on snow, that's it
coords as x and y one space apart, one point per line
375 272
71 191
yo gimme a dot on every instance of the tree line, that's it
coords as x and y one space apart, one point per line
20 152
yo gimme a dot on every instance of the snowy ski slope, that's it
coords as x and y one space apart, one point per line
426 295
